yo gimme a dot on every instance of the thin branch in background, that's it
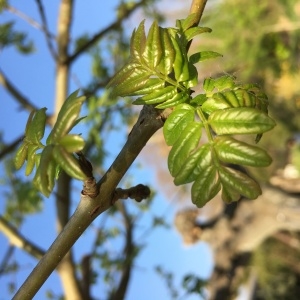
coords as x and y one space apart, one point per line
19 240
6 149
6 258
27 19
23 16
25 103
128 251
45 29
100 34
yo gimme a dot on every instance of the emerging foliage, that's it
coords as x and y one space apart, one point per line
161 73
58 152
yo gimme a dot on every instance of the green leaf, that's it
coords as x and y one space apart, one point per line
153 50
239 182
181 64
176 122
199 100
44 179
152 85
157 96
230 150
194 165
206 186
68 163
138 41
229 195
188 22
166 64
213 104
128 80
203 55
35 127
194 31
134 83
240 120
31 158
187 141
72 143
21 155
67 118
177 99
208 84
224 82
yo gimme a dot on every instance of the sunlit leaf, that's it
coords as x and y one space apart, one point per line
177 99
43 179
153 50
206 186
157 96
138 41
36 126
203 55
194 165
181 64
186 143
213 104
166 64
239 182
67 117
194 31
31 158
240 120
21 155
68 163
72 142
176 123
232 151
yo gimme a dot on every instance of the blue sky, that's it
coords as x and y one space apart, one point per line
34 75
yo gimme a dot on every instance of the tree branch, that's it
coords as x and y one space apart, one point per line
25 103
126 13
66 269
197 7
128 251
6 149
149 121
20 241
45 29
23 16
138 193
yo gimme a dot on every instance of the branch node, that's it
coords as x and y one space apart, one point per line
138 193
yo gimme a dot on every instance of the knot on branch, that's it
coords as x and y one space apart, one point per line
89 186
138 193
